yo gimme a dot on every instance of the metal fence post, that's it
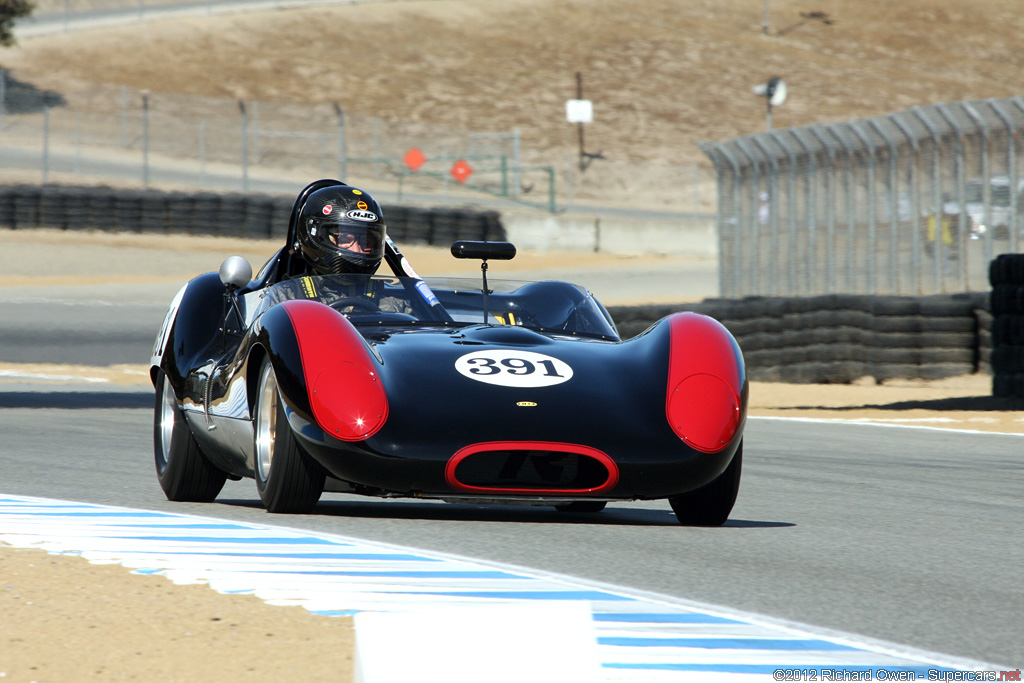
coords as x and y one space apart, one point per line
737 235
254 129
202 153
892 182
773 217
872 284
711 150
46 142
753 219
245 146
3 96
145 139
790 260
516 162
960 162
915 213
125 140
791 264
818 132
937 213
1011 167
986 176
78 142
342 151
716 153
851 226
812 214
551 189
728 221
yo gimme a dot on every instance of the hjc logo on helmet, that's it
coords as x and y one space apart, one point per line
365 216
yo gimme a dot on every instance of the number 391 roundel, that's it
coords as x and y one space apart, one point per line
513 368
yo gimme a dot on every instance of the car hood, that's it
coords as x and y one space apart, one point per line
495 383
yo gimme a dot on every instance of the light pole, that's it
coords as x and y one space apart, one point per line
774 94
580 111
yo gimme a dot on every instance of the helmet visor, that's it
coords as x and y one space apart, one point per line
357 239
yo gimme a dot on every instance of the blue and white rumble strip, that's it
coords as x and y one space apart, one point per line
641 637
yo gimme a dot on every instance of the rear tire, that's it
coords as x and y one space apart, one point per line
711 504
287 479
184 472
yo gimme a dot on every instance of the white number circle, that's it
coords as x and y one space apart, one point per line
513 368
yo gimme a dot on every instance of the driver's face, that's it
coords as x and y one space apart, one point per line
350 240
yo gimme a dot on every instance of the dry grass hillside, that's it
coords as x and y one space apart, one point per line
663 74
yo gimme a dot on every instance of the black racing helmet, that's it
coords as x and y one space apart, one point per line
340 229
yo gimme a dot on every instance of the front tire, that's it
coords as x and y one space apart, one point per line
184 472
711 504
286 478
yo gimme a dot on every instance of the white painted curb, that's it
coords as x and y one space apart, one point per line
507 643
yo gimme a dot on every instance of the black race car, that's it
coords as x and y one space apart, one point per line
455 389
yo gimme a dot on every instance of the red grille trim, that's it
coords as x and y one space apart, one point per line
497 446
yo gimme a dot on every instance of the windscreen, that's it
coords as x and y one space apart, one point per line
551 306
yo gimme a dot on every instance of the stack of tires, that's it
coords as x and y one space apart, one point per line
840 338
71 207
1006 275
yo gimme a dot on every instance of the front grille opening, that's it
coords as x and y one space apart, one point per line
531 469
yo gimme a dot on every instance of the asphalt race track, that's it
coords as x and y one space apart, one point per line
906 535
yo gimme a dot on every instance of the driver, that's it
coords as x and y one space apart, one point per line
341 230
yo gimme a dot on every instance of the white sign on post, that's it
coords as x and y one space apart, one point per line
579 111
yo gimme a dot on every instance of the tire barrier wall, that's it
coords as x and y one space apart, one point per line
1006 275
65 207
839 338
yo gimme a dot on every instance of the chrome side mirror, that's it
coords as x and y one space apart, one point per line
235 272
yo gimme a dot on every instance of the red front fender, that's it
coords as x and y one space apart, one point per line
706 398
342 376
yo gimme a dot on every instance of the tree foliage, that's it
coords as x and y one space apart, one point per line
9 11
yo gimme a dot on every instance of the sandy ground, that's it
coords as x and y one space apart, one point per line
67 620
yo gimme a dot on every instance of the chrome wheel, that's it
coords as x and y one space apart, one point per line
165 428
184 471
287 479
266 422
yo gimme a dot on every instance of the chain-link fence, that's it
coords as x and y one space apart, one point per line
916 202
122 136
238 145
